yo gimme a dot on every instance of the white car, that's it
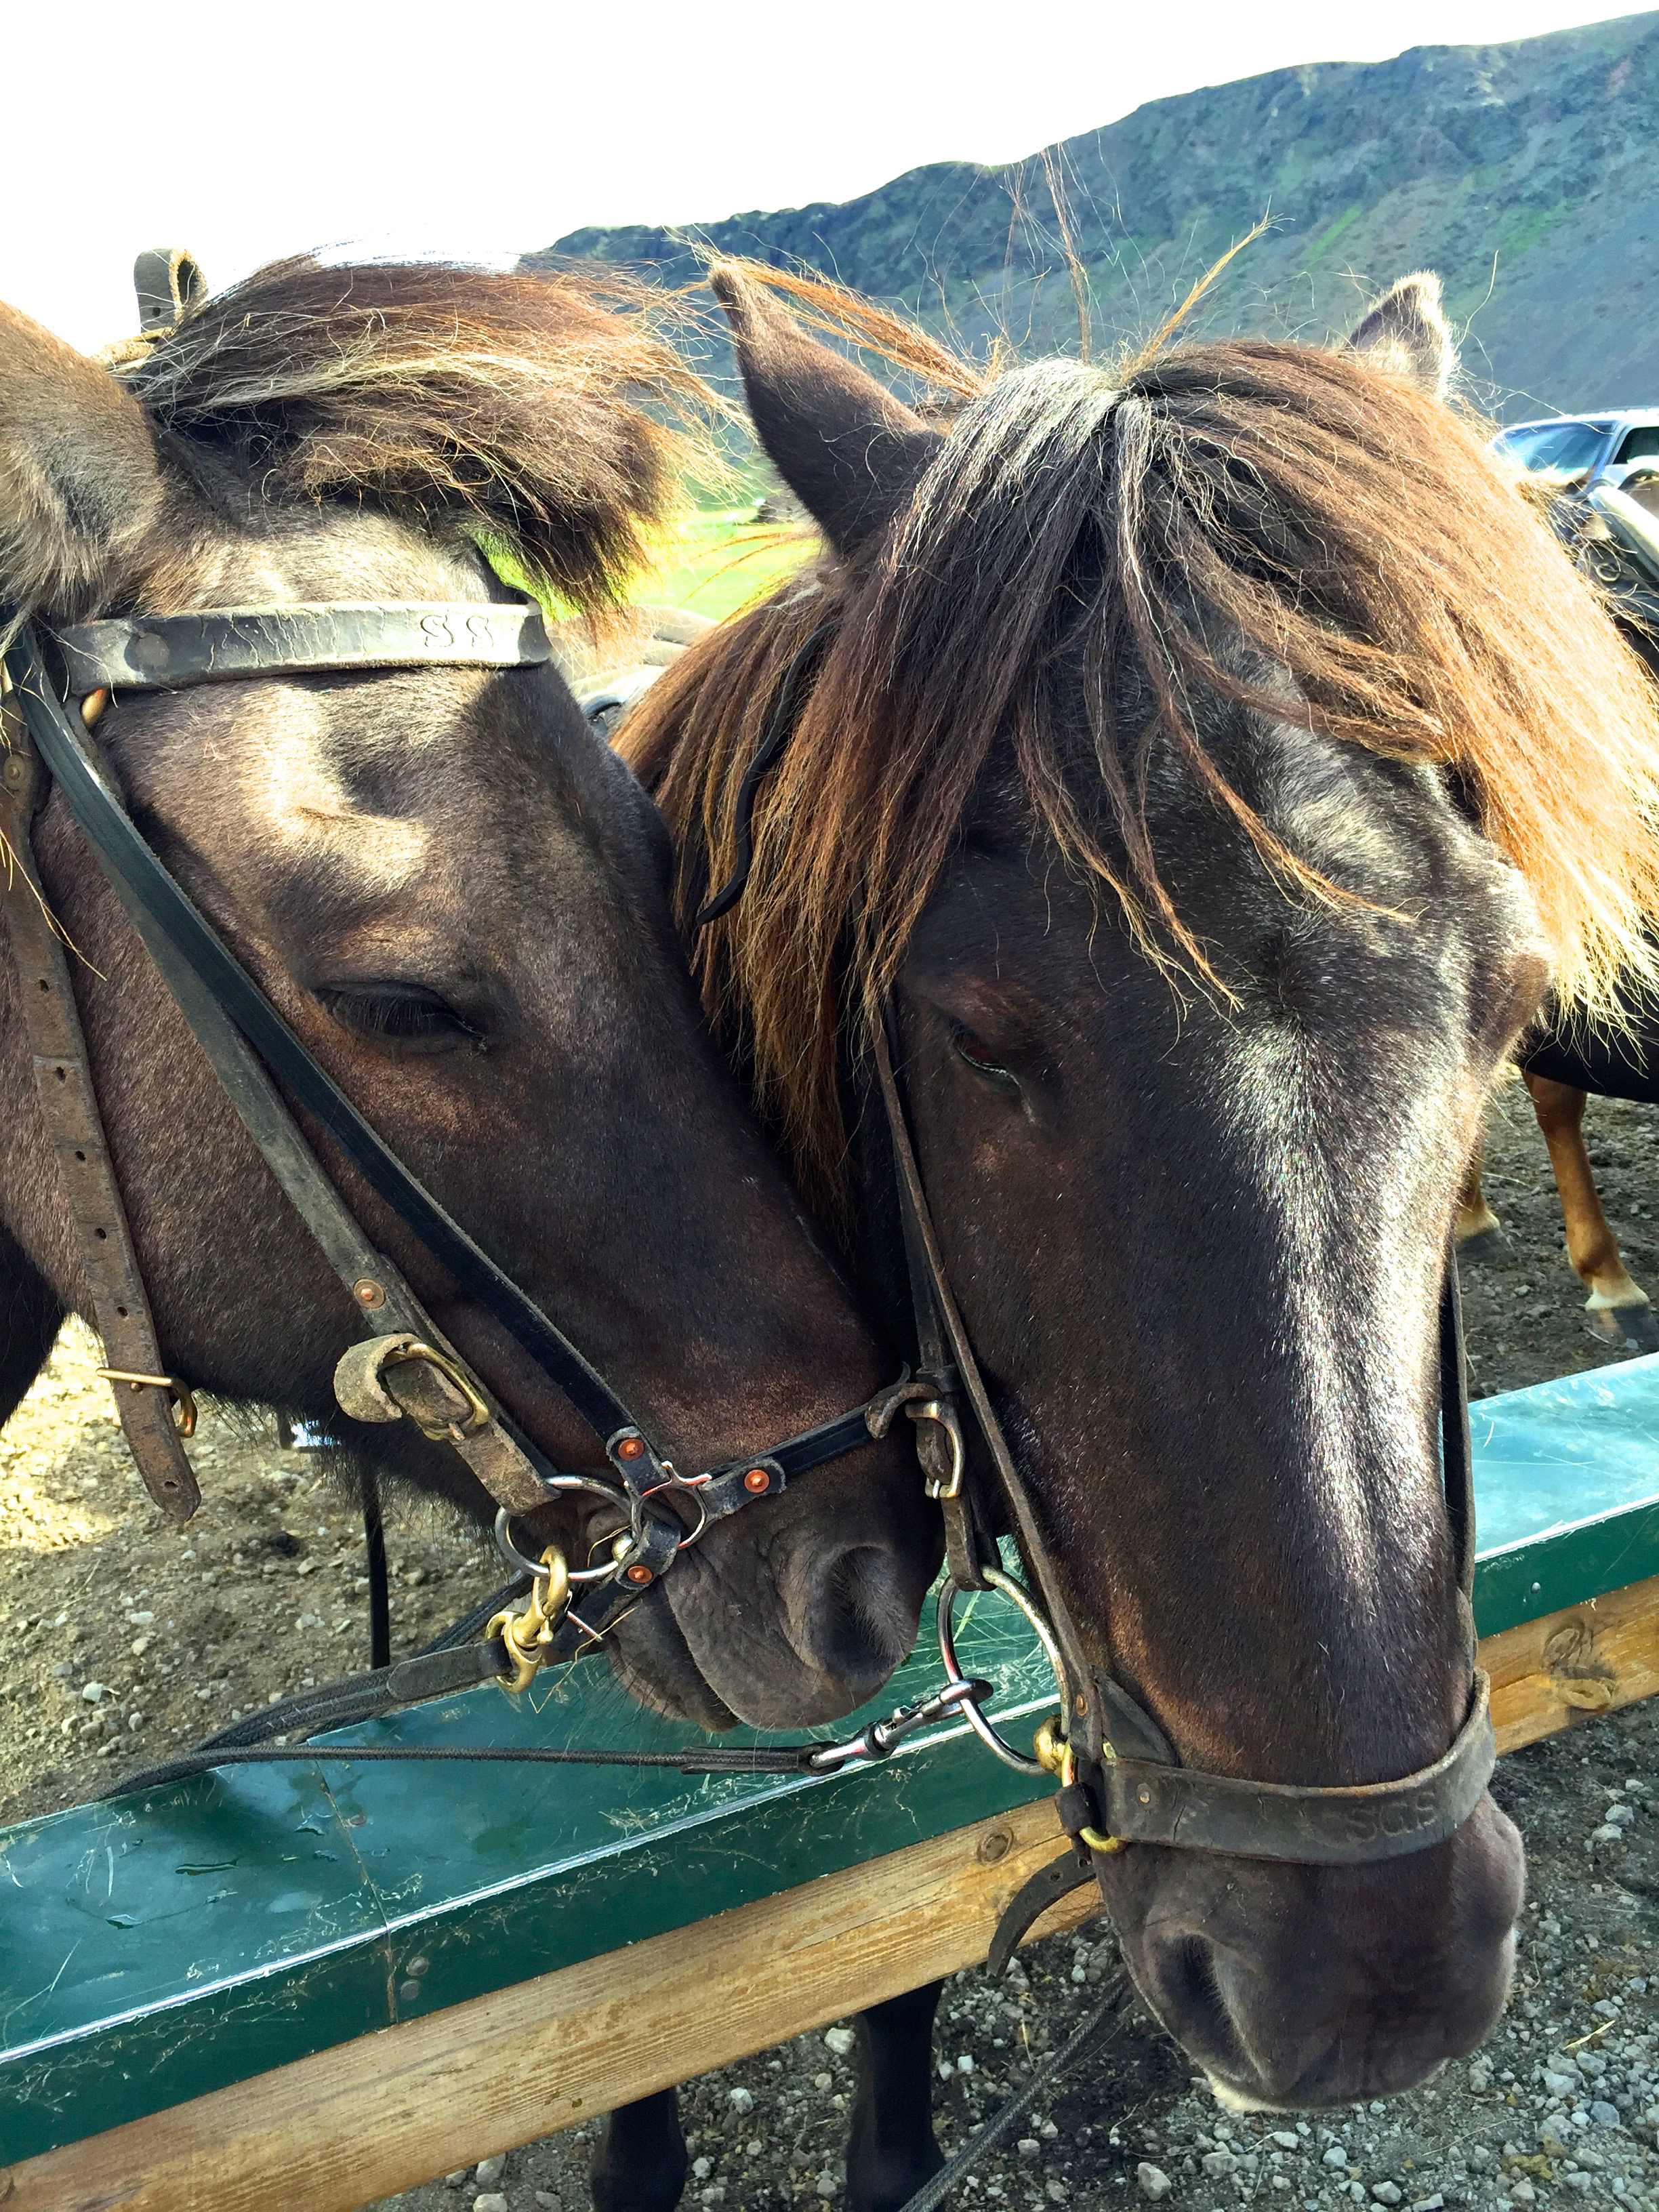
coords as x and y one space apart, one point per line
1584 449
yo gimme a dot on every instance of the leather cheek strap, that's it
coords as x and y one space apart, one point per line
1355 1826
75 1130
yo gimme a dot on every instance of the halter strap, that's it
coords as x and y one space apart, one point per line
1118 1760
1355 1824
69 1106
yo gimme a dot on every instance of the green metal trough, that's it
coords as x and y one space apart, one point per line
164 1945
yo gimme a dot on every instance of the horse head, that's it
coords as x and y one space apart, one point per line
458 898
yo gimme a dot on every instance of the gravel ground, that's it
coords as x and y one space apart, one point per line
96 1677
123 1638
1524 1314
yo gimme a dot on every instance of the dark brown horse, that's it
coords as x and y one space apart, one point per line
1205 781
460 900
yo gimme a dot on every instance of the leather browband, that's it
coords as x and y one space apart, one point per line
1353 1825
164 653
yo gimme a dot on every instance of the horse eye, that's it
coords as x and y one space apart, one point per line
401 1013
966 1047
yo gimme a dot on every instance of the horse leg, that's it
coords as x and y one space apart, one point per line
1479 1232
639 2164
891 2149
30 1318
1619 1309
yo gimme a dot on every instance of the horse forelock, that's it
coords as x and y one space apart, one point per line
551 414
1247 522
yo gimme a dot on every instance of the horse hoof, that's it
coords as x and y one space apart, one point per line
1486 1248
1633 1328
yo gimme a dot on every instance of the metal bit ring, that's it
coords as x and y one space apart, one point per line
1021 1598
515 1558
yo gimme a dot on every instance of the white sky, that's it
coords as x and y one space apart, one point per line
246 130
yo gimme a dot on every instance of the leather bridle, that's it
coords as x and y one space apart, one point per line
404 1365
1122 1781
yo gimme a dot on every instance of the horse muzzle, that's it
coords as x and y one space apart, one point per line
1298 1986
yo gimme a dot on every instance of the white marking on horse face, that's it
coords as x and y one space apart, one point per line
1364 1361
286 733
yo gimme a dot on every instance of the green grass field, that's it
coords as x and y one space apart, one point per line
722 561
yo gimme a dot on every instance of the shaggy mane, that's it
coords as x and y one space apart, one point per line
548 414
1331 520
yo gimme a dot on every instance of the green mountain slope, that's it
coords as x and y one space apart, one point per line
1527 175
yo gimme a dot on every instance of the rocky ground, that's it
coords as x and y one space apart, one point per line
121 1638
1524 1322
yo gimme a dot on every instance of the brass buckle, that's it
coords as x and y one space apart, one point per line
184 1419
1055 1756
942 1411
478 1412
529 1636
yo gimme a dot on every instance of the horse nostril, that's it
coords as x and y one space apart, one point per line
1189 2000
860 1618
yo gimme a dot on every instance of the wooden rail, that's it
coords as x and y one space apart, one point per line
1587 1659
332 2132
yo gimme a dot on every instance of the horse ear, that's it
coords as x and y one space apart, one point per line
80 487
1407 333
845 446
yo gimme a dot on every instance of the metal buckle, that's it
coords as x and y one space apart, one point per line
947 1482
478 1412
1056 1757
184 1403
926 1398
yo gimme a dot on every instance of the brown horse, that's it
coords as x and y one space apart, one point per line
1563 1062
1618 1310
1203 781
460 900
